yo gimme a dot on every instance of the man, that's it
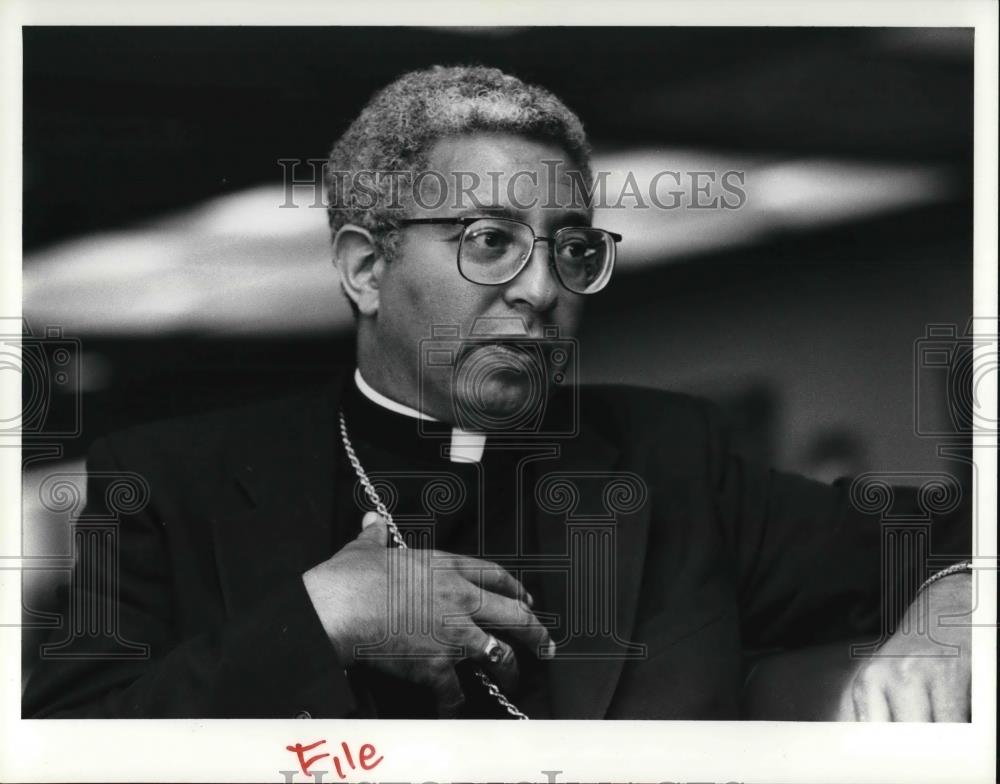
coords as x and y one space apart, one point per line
453 528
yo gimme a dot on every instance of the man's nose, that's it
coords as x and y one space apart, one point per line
535 285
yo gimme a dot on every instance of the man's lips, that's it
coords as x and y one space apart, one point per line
516 349
500 327
503 328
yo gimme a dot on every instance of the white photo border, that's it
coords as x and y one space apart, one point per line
422 751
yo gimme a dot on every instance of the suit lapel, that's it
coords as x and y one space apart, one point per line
276 520
579 586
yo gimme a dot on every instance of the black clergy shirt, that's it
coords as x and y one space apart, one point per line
465 508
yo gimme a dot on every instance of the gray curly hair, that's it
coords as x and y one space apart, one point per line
400 124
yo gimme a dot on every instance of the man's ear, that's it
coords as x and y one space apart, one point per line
360 266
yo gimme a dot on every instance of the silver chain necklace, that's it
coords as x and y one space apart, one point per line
380 507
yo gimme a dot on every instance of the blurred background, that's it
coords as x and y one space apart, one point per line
154 233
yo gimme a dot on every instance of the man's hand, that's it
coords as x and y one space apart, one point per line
923 672
424 610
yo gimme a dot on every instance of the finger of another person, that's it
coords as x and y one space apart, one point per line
909 701
950 703
845 707
870 703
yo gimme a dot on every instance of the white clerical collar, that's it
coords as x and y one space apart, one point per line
466 447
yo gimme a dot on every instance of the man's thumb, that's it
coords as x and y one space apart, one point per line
374 529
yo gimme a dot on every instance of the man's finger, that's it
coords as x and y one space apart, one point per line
909 701
492 577
502 664
501 612
448 693
374 529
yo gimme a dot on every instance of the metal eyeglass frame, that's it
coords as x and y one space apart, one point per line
468 221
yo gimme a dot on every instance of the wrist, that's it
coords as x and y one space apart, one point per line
331 615
955 584
960 570
947 595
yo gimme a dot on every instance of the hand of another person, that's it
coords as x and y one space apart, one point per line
922 672
416 613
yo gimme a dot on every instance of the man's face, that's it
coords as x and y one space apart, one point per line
422 288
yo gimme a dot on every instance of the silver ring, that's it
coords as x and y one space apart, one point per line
494 650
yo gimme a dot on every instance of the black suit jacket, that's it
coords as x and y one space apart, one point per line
710 557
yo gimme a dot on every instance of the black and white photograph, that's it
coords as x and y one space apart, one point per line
418 379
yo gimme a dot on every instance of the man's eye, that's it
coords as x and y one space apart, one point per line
489 239
576 250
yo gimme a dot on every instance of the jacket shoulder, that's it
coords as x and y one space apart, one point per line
206 437
633 416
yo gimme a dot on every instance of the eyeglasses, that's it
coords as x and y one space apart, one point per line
493 251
